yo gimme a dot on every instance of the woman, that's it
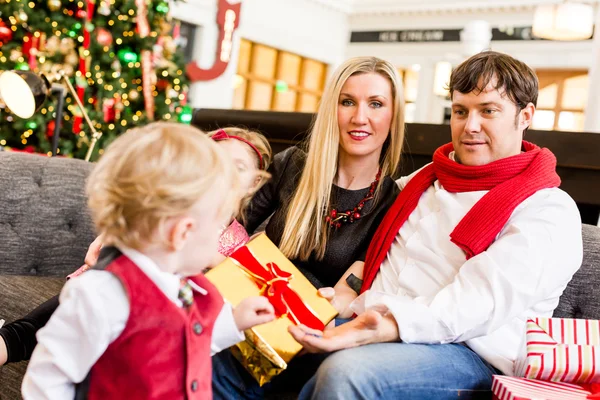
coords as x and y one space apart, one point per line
327 201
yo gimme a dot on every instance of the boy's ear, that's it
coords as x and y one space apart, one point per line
180 232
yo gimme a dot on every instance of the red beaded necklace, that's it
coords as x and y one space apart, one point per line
336 218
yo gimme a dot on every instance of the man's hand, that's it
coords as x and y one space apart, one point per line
369 327
253 311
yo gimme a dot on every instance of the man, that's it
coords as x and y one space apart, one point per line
476 242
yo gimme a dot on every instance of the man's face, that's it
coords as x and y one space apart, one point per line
487 126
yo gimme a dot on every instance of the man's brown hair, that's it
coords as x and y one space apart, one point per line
510 76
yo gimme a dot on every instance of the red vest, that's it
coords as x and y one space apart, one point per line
164 351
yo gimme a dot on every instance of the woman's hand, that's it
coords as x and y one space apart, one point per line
91 258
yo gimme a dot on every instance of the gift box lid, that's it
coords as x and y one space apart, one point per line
512 388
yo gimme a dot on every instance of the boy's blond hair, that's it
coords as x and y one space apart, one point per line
156 172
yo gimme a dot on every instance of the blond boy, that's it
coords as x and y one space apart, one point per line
144 322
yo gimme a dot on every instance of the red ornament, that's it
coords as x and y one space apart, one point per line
162 84
5 33
108 108
50 129
104 37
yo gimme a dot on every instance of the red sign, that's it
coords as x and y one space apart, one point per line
228 19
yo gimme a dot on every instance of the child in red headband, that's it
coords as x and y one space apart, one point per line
251 155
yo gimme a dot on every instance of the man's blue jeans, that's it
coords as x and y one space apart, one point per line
377 371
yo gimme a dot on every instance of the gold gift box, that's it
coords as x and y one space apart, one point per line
268 347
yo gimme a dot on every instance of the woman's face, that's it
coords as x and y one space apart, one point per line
245 161
365 110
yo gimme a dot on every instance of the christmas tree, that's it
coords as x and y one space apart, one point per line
121 56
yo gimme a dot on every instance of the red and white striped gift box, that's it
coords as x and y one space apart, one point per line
511 388
561 350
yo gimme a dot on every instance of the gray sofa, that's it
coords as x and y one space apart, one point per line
45 230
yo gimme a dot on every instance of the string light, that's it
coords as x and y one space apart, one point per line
3 142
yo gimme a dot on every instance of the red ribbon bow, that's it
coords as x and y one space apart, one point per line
274 284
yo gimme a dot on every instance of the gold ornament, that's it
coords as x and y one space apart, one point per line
66 45
54 5
21 16
15 55
72 58
52 45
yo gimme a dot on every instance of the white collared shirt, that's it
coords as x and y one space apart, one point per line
436 295
93 311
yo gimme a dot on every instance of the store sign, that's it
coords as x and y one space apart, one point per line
228 19
438 35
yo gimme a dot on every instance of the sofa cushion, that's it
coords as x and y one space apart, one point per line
580 298
45 227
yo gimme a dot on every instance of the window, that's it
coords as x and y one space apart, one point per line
410 81
273 80
562 100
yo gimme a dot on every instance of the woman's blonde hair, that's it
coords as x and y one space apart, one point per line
260 142
305 230
156 172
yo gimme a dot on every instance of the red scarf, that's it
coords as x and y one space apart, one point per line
509 181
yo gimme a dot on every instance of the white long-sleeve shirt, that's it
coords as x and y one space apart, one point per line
436 295
93 311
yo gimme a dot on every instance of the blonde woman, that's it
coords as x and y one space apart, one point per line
325 201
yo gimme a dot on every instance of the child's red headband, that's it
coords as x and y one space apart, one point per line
222 135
